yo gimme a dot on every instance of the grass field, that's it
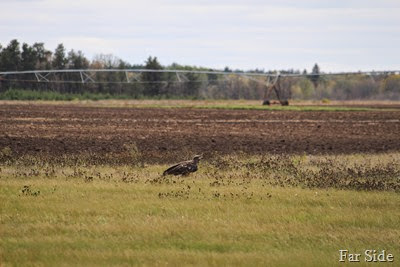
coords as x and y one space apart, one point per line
268 211
295 105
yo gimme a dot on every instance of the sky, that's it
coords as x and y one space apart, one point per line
341 35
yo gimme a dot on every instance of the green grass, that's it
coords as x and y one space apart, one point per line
224 104
140 101
285 108
47 95
17 94
122 215
253 107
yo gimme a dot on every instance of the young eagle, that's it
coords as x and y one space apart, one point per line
184 167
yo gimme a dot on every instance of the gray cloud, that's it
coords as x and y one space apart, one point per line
349 35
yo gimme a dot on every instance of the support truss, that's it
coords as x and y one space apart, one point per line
181 77
132 76
274 84
42 78
85 77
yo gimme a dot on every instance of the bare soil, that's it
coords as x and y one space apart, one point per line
167 135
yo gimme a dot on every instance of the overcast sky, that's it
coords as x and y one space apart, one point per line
343 35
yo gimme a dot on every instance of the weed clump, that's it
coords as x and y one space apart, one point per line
317 172
28 191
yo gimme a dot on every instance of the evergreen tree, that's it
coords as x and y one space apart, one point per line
192 86
315 69
28 58
314 77
152 79
77 60
59 61
227 69
10 59
43 56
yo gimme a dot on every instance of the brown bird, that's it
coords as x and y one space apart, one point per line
184 167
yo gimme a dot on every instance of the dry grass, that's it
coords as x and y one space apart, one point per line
223 104
122 215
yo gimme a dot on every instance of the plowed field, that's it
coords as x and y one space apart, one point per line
164 135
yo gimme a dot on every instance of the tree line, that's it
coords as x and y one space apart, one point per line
25 57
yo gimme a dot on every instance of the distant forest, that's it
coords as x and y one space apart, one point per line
17 57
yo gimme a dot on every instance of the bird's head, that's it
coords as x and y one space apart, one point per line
197 158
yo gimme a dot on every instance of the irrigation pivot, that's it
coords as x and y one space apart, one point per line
278 83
